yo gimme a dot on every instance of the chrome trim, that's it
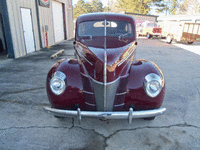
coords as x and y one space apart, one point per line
105 79
85 75
79 115
129 115
119 105
121 93
105 28
99 87
98 81
156 33
105 70
60 75
90 104
87 36
88 92
125 76
108 83
110 90
101 82
84 57
133 46
152 77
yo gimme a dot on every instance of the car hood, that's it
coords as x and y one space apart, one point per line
112 59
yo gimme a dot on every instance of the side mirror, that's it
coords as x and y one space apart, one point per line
74 42
86 38
136 43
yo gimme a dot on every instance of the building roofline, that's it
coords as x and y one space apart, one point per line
140 14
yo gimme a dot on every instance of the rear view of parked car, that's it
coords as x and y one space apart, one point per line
150 29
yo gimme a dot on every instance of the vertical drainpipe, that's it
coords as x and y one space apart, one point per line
6 25
38 21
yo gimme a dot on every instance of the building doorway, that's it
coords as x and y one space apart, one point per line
58 21
28 30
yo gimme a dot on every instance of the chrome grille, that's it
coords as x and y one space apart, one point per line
105 103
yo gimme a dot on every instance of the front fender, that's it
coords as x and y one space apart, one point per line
73 96
136 96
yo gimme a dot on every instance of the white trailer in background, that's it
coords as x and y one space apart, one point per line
180 31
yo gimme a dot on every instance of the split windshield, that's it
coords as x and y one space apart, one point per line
113 29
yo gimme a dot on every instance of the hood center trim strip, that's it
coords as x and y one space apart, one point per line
105 72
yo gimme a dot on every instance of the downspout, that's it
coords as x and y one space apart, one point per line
38 21
6 25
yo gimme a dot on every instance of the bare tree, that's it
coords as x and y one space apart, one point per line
189 7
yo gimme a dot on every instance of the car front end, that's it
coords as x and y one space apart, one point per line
105 81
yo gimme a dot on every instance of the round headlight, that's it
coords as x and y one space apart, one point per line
152 84
57 83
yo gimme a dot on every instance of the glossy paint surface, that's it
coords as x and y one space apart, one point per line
73 95
118 60
100 56
136 95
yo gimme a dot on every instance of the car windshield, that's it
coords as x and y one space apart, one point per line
113 28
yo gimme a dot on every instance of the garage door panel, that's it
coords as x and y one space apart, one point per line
58 21
28 30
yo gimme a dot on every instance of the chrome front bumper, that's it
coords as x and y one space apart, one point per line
106 115
156 34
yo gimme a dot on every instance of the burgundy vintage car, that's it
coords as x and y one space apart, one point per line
105 81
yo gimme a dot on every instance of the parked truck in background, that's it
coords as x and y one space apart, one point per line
180 31
149 29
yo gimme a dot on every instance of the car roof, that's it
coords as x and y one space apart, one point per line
104 16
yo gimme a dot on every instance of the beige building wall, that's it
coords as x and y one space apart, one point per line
42 18
69 19
16 24
182 18
139 18
46 20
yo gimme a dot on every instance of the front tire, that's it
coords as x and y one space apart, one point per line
169 39
59 117
162 37
149 118
149 36
190 42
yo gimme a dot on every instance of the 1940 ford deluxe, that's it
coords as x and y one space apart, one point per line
105 81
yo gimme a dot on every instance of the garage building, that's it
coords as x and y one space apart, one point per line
181 18
140 18
29 25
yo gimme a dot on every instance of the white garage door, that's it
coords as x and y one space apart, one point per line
58 21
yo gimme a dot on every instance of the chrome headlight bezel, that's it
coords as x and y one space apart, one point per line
58 83
153 84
